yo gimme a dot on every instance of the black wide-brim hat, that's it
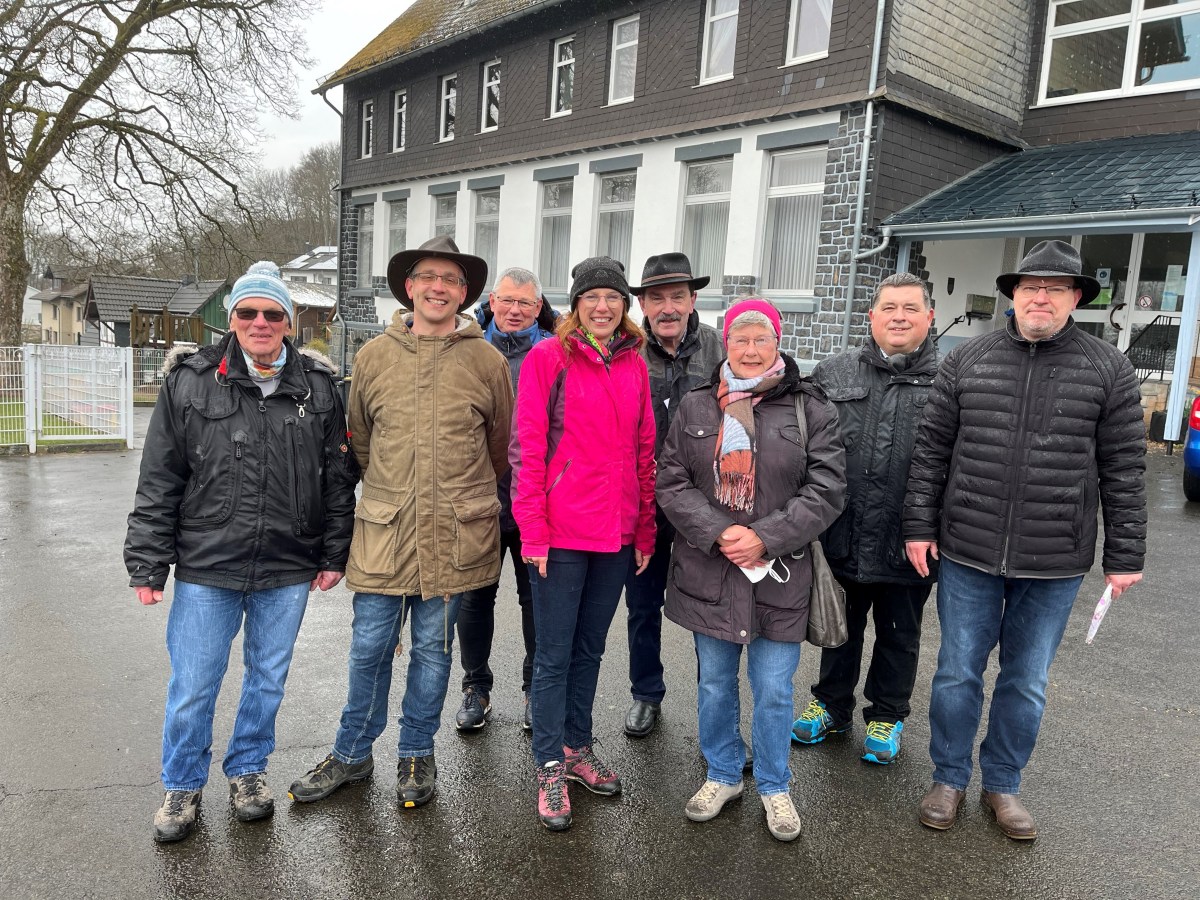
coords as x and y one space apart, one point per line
475 270
669 268
1051 259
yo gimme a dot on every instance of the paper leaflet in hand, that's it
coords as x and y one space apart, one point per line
1098 615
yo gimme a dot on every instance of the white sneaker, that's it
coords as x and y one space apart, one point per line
708 802
782 820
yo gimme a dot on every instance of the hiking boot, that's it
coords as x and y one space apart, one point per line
527 717
708 802
554 804
250 797
584 766
175 819
782 820
416 780
474 712
815 724
883 742
328 775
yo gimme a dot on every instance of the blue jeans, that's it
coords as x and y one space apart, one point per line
770 665
1027 618
378 621
573 606
200 631
644 595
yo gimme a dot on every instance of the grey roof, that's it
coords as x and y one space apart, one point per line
426 23
1151 172
113 296
313 296
319 258
190 297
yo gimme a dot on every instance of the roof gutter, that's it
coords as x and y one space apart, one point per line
864 163
1183 218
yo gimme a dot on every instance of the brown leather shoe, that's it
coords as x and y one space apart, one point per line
939 806
1011 815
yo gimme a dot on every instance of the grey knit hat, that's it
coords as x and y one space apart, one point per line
597 272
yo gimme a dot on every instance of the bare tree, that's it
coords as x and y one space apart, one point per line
133 116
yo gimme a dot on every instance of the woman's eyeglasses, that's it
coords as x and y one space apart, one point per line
249 315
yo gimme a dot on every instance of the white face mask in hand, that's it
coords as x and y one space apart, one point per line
758 573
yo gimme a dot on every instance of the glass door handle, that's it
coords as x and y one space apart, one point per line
1112 309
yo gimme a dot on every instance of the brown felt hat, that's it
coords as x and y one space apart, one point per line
475 270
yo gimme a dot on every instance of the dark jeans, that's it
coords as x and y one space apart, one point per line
573 607
897 611
644 596
477 623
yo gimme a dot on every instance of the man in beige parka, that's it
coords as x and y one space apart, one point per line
429 413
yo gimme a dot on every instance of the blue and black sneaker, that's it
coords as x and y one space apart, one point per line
815 724
883 742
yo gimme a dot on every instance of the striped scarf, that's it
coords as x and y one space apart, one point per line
259 372
733 468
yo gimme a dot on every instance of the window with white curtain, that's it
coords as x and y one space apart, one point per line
445 214
563 82
623 69
487 226
489 115
808 30
554 262
399 120
706 216
720 40
793 227
366 244
448 108
397 226
366 124
614 222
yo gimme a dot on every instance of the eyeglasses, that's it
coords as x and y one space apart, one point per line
741 343
1054 291
246 314
526 305
591 298
431 277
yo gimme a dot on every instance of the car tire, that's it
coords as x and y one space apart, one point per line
1191 486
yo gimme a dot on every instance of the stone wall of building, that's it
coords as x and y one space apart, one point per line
353 305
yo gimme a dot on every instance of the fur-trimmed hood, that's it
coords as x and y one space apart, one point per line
211 355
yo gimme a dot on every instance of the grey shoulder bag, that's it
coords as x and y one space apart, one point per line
827 599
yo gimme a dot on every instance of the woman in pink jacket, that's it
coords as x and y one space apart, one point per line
583 497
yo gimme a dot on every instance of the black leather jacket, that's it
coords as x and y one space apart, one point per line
879 404
239 490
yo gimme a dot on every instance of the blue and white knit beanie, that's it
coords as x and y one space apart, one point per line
262 280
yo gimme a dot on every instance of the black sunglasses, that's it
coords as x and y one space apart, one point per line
249 315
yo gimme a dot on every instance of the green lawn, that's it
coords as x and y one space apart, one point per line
12 426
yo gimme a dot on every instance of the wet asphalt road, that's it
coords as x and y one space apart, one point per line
1112 784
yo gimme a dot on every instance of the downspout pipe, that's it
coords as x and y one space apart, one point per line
860 202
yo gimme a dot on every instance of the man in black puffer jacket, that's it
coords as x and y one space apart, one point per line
1027 432
880 391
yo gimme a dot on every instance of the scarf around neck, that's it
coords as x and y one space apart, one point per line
605 350
734 466
268 372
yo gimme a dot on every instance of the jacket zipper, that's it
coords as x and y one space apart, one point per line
262 496
293 439
1014 480
559 476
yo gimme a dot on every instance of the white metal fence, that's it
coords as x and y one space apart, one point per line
53 394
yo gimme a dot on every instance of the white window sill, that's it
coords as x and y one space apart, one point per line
1097 96
619 102
445 140
705 82
488 130
557 115
397 149
801 60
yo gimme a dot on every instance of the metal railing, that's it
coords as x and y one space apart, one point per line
1152 350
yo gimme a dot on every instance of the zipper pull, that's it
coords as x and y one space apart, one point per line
262 407
300 407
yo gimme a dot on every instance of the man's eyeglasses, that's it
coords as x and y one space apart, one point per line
246 314
526 305
431 277
1056 291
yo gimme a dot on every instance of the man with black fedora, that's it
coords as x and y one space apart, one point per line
681 353
429 413
1027 433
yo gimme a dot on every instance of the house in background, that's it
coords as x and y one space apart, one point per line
61 311
317 266
315 306
110 299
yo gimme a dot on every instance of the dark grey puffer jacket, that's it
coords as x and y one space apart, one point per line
1019 444
879 404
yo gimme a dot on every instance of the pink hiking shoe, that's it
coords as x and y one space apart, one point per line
584 766
554 805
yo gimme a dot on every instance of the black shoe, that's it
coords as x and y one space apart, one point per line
327 776
642 718
416 780
176 818
527 717
474 712
250 797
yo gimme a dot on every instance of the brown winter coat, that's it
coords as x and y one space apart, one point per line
429 420
799 491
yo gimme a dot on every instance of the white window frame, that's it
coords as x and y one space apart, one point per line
479 218
366 128
444 221
393 205
556 71
615 50
489 81
447 96
543 214
697 199
365 210
794 26
811 188
1134 20
709 19
619 206
399 120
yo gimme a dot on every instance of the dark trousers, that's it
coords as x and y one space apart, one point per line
897 611
477 623
644 595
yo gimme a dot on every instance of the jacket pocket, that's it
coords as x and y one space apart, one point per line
305 477
476 530
210 502
373 549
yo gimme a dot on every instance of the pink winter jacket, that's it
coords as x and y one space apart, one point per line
582 450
